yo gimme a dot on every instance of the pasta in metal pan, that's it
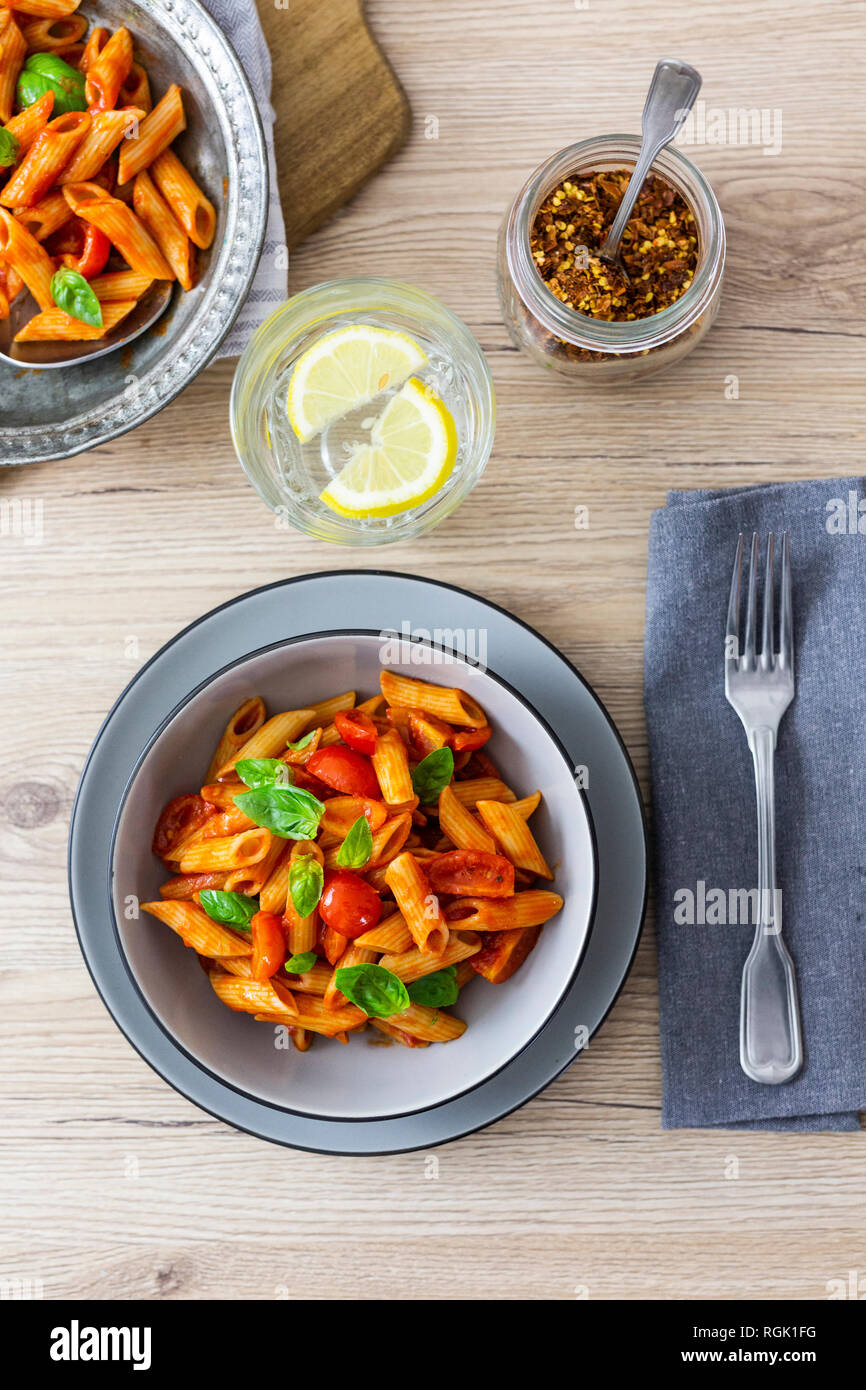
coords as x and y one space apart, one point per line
91 189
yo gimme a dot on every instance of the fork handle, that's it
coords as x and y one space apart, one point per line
771 1049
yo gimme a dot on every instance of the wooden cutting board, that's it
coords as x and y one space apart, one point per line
341 113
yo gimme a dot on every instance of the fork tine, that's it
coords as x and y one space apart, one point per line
751 604
732 631
767 627
786 614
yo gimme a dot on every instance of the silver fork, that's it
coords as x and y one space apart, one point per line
760 686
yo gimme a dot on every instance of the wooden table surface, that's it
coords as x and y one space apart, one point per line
115 1186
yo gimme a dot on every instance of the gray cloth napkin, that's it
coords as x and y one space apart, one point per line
704 802
239 20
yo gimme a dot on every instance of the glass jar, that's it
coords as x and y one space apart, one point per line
289 475
596 350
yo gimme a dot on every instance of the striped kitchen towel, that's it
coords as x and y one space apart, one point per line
239 20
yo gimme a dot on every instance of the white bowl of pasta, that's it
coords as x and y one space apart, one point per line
350 839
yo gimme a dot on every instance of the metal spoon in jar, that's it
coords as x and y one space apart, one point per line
670 98
69 354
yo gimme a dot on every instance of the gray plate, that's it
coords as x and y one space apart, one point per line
336 602
55 414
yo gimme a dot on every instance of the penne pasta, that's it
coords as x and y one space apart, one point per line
71 53
411 965
476 789
391 936
229 852
255 996
50 35
96 41
274 891
251 880
107 130
153 135
20 250
47 9
107 74
46 158
391 765
527 804
270 740
45 217
222 794
120 224
195 213
13 51
446 702
11 285
246 720
341 812
122 284
185 886
514 836
312 1013
417 902
29 122
389 840
323 713
397 1034
433 1025
313 981
197 930
458 823
136 89
52 325
531 908
159 220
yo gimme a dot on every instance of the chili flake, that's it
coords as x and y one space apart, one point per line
659 247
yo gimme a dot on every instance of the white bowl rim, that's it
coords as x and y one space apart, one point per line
282 644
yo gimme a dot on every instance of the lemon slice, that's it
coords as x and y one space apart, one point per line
345 369
414 445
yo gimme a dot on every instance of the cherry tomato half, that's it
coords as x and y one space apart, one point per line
269 945
473 873
348 904
356 728
179 819
345 771
90 260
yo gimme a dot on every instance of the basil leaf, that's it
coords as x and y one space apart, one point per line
357 847
302 742
235 909
436 990
301 963
432 774
306 880
45 72
8 148
263 772
374 989
71 293
290 812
